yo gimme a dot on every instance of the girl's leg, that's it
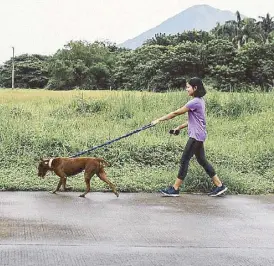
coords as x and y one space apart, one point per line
217 182
178 183
173 191
200 155
186 156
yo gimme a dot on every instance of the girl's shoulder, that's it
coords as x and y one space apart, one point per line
195 103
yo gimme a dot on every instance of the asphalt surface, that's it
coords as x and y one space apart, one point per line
38 228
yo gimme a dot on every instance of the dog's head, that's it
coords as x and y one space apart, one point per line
43 167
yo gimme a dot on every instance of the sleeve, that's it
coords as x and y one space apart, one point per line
192 104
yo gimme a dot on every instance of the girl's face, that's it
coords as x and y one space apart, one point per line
190 90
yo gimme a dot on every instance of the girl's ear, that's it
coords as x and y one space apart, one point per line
195 88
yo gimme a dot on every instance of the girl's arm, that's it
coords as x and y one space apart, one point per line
181 126
171 115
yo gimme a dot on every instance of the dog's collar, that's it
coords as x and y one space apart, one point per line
50 162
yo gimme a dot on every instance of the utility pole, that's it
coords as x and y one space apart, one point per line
12 73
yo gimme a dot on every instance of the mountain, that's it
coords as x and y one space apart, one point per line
199 17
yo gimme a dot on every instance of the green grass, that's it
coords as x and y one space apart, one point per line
40 123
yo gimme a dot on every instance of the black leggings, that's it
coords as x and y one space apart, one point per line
194 147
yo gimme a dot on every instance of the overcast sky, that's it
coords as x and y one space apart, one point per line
43 26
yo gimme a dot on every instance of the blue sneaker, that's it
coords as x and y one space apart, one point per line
218 191
170 192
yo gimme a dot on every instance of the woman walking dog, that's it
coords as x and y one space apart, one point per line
197 134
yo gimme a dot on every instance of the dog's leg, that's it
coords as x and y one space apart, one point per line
64 184
58 186
103 176
87 180
61 181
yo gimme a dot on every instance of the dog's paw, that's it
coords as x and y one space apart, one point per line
67 189
82 196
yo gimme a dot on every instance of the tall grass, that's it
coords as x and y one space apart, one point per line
40 123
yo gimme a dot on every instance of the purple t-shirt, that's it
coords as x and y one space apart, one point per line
196 119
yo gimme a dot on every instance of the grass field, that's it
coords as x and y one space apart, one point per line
41 123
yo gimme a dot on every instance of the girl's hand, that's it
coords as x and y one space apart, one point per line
174 131
155 122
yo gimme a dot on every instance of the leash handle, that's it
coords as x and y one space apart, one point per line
111 141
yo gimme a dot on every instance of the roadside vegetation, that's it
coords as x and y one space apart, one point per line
43 123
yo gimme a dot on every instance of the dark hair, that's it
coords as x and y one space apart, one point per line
200 89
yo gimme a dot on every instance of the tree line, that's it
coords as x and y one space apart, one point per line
236 55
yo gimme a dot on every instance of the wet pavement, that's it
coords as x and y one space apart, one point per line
38 228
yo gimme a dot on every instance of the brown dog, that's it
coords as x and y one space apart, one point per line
64 167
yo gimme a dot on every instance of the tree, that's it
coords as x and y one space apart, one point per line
239 31
159 39
31 71
267 26
250 31
258 62
192 36
219 52
81 64
158 68
135 69
226 31
220 67
185 59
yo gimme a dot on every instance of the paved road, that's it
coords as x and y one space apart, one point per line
38 228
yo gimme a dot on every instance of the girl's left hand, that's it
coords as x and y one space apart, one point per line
174 131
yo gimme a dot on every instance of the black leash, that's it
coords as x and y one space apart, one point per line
111 141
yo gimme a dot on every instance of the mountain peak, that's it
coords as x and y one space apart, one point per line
201 6
206 18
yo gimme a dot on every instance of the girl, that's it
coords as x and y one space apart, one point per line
197 134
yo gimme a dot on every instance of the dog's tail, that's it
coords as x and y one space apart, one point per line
103 162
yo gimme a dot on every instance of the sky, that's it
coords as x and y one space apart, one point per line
44 26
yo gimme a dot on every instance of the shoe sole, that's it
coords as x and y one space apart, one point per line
169 195
219 193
